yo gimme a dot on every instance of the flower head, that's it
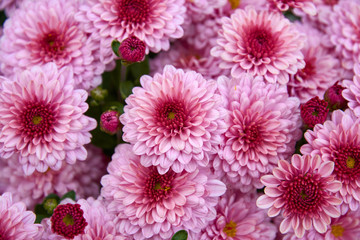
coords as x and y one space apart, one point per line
132 50
334 97
43 119
109 121
307 6
314 111
302 192
263 43
351 91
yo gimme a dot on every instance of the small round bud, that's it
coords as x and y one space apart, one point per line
109 122
99 94
132 50
314 111
334 97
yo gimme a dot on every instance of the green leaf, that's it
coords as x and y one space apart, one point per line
115 44
180 235
137 70
126 89
40 217
291 16
70 194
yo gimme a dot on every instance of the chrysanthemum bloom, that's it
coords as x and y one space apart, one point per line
197 10
132 50
43 119
45 31
314 111
185 56
338 141
155 206
109 121
16 222
307 6
322 68
303 192
261 43
343 32
83 177
153 21
173 120
352 91
239 218
333 96
263 127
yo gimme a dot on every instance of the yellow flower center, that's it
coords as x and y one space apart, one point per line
171 115
337 230
350 162
158 187
234 3
230 229
36 120
68 220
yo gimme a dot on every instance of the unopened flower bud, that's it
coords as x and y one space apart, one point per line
109 122
132 50
334 97
99 94
314 111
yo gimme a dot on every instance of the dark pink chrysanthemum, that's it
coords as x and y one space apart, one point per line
132 50
16 223
154 22
314 111
239 218
155 206
307 6
352 91
109 121
43 119
173 120
333 96
302 192
46 31
261 43
263 126
338 141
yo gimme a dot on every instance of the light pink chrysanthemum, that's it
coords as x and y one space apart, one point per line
321 71
82 177
16 223
197 10
43 119
344 32
155 206
239 218
307 6
352 91
263 127
338 141
261 43
153 21
302 192
173 120
45 31
183 55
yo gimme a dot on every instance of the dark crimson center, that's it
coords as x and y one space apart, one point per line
52 45
347 167
157 186
171 115
133 11
303 194
37 119
314 111
251 134
68 220
259 43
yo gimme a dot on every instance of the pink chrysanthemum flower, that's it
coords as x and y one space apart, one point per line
43 119
322 68
16 223
352 91
343 32
173 120
132 50
155 206
153 21
338 141
333 96
314 111
264 125
45 31
83 177
197 10
109 121
239 218
302 192
263 43
307 6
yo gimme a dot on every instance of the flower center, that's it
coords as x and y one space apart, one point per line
230 229
171 115
314 111
347 166
337 230
307 71
234 3
37 119
259 42
302 194
53 45
133 11
157 186
68 220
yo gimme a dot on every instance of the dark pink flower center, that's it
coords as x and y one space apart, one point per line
52 45
308 71
302 194
68 220
347 167
259 42
132 50
171 115
251 135
314 111
133 11
37 119
157 186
